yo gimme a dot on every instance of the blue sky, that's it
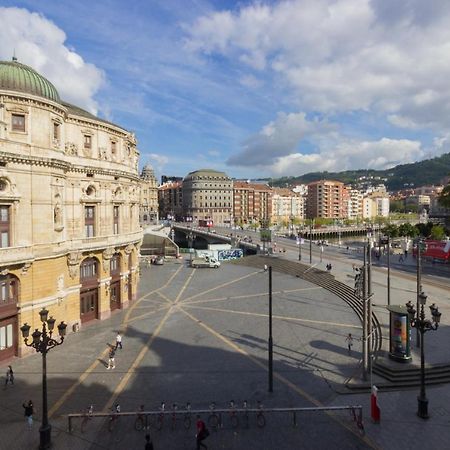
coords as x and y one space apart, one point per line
255 89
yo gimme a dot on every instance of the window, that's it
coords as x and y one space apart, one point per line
6 336
115 264
87 141
18 122
56 131
4 226
113 147
89 221
116 220
8 289
88 268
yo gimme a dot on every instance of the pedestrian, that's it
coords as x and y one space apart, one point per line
119 340
349 340
29 410
111 362
9 376
400 258
202 433
148 442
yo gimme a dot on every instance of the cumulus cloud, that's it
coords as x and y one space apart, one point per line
159 161
41 44
278 138
352 154
336 56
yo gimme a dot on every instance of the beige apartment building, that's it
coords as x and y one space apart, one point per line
208 195
327 199
252 202
69 209
148 212
287 207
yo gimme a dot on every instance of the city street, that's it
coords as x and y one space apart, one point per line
200 336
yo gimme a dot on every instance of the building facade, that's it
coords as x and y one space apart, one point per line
208 195
148 211
69 209
327 199
252 202
287 207
170 200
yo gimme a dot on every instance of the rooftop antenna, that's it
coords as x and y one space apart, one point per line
14 58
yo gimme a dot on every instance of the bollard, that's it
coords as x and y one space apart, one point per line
374 408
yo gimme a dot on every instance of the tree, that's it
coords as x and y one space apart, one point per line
406 229
437 232
424 228
444 198
391 230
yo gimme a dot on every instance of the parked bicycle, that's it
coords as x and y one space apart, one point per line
213 419
357 418
114 417
160 419
141 420
260 419
87 417
245 414
174 416
187 417
234 419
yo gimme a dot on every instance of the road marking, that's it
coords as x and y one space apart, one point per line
287 318
91 368
281 378
262 294
145 348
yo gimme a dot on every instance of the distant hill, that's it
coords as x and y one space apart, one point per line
427 172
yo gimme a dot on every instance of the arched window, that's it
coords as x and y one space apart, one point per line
9 291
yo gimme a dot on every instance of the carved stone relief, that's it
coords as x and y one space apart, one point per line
73 261
70 149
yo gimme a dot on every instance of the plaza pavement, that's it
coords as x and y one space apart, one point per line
201 336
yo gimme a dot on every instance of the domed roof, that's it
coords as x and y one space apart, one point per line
18 77
206 173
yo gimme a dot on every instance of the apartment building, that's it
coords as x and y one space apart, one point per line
251 202
327 199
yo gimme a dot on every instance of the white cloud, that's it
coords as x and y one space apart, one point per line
343 55
39 43
160 161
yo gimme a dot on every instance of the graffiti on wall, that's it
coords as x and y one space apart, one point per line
226 255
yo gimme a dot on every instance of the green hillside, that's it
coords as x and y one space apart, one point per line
427 172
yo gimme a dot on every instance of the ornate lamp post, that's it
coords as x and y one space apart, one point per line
42 343
423 325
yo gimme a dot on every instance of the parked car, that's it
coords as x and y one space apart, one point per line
158 261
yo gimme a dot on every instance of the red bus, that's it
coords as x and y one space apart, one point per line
435 249
205 223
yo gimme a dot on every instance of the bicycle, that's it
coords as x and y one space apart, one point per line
357 418
114 417
187 417
260 419
87 417
246 417
160 419
234 420
174 416
213 419
141 420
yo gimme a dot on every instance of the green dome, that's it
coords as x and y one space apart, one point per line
18 77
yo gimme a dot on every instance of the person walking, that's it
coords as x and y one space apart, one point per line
9 376
29 410
111 361
202 433
148 442
349 340
119 340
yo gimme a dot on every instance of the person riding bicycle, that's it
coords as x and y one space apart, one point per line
116 408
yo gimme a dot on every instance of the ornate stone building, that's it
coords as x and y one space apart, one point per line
148 213
69 209
208 195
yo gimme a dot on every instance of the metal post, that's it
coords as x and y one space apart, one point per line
389 272
419 289
300 247
310 243
270 333
45 429
369 305
422 401
364 302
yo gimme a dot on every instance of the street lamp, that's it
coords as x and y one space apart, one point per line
423 325
190 238
42 343
300 238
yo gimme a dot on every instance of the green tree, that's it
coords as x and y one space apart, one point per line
424 228
437 232
444 198
406 229
391 230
